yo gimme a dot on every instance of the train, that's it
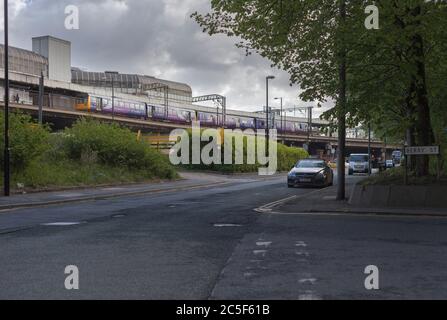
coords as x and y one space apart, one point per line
146 111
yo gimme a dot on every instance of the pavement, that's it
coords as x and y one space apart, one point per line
324 201
214 242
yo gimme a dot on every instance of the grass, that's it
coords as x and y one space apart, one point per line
396 176
44 175
90 153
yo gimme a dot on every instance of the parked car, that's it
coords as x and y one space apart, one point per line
311 172
358 163
397 157
389 164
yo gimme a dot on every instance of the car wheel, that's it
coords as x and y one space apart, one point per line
351 172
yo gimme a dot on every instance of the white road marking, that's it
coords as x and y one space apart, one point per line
264 244
300 244
61 224
308 280
302 253
226 225
268 208
259 252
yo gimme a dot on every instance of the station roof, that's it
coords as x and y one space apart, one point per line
22 54
125 80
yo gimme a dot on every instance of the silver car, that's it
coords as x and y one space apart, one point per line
358 163
310 172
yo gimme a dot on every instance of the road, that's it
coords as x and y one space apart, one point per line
211 244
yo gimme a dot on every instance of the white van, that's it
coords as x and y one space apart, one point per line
358 163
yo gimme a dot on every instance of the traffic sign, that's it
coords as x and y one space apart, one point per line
427 150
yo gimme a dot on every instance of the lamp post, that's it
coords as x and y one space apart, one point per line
281 99
309 128
369 149
112 75
41 93
6 182
267 106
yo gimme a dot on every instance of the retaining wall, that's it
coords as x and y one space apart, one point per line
399 196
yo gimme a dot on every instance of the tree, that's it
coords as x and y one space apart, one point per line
390 77
390 71
304 38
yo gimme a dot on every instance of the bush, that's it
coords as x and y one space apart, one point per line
287 157
27 141
90 141
89 153
396 176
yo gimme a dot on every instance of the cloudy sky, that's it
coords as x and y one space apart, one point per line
157 38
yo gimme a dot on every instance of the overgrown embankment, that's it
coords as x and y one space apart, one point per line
90 153
396 176
247 148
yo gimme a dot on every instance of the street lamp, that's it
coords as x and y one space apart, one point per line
369 149
112 75
267 106
6 172
309 128
281 99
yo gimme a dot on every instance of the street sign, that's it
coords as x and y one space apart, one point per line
428 150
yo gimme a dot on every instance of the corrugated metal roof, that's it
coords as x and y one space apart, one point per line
24 54
124 80
171 84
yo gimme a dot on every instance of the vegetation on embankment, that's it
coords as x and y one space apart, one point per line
88 154
287 157
396 176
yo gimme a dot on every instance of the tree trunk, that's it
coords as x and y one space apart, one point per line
341 114
423 128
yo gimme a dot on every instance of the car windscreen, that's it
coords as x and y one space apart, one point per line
358 158
310 164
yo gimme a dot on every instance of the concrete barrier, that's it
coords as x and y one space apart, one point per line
399 196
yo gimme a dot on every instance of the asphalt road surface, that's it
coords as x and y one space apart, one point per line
211 244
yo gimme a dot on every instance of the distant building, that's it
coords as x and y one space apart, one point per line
52 56
58 53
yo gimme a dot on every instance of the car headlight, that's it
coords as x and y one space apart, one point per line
321 174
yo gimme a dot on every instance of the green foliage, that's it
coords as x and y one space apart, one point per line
396 75
287 157
48 174
27 141
91 141
89 153
396 176
300 37
111 144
